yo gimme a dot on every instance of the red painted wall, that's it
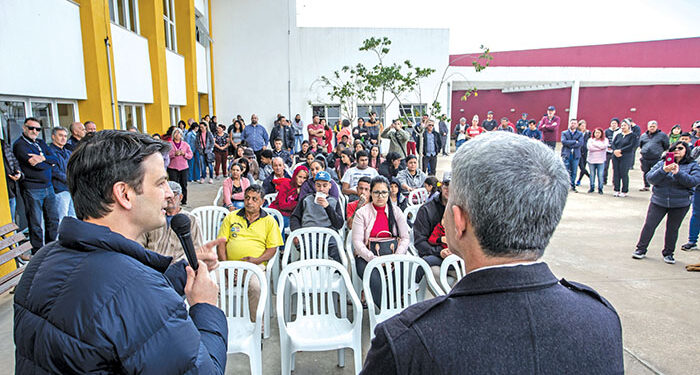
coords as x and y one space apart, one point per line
681 53
667 104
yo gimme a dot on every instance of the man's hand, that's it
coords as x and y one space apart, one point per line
200 288
253 260
617 153
323 202
231 208
444 253
15 177
35 159
207 253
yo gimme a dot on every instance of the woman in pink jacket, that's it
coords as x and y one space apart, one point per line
597 148
178 169
375 223
234 187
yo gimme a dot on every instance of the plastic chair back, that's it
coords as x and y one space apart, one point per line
210 219
219 197
455 262
278 217
411 212
417 197
269 198
313 244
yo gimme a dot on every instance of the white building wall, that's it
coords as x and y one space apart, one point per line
132 66
201 53
42 49
177 92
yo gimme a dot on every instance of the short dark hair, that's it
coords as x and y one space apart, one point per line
410 157
256 188
277 139
102 160
531 122
88 122
26 120
304 142
685 134
360 154
266 154
364 179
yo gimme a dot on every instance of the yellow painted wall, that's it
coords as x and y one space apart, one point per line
151 23
5 217
186 46
95 27
211 63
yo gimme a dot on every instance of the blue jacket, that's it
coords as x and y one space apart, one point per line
510 320
671 190
96 302
58 172
35 176
536 134
571 144
256 136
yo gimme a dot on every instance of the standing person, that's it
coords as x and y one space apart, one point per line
354 174
597 147
283 131
298 126
675 134
494 232
288 193
582 163
672 195
374 127
490 123
474 129
571 143
522 124
327 137
178 169
360 131
610 134
315 130
205 147
221 143
235 134
397 137
90 127
549 125
623 154
120 306
376 222
652 144
64 202
256 136
505 125
77 132
36 160
637 131
460 132
431 147
193 163
442 125
13 174
532 131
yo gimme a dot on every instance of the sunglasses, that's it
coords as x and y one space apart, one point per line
36 129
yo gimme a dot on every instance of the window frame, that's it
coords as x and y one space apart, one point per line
45 133
123 107
423 109
129 5
169 23
376 107
325 113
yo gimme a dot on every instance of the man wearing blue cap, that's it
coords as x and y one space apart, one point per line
319 210
521 125
548 126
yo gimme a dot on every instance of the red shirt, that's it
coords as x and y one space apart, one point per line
474 132
381 224
315 127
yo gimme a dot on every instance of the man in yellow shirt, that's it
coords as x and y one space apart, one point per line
251 236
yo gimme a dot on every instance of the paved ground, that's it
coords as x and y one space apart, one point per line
658 303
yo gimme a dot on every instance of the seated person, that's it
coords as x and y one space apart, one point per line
353 175
234 187
300 156
251 236
163 240
288 193
345 162
396 194
279 152
265 164
279 170
363 192
437 238
319 210
391 166
314 148
309 186
432 185
428 217
411 178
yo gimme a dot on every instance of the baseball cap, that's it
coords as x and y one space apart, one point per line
489 112
323 176
550 108
524 114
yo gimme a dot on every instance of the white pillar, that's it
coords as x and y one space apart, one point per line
573 105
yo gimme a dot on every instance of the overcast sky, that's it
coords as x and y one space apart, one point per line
517 24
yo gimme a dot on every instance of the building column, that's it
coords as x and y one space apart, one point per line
573 104
210 65
5 217
95 27
151 22
186 46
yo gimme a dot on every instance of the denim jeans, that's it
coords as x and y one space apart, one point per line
194 167
597 170
13 207
459 143
571 164
695 218
36 201
204 165
64 204
298 139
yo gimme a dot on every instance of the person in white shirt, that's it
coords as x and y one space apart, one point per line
353 175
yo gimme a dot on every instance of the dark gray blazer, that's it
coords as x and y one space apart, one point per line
509 320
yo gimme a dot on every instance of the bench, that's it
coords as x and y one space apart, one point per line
10 241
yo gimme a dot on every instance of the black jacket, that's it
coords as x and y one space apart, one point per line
286 133
626 144
652 145
509 320
436 139
427 218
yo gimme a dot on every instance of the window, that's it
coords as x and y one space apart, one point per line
169 24
125 13
12 115
66 114
412 112
174 115
50 112
364 110
43 112
330 112
132 115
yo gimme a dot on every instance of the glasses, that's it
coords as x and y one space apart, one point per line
35 128
381 194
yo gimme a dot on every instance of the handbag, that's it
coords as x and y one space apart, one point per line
382 245
210 157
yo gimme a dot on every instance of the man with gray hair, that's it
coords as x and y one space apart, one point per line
652 144
509 314
163 240
77 132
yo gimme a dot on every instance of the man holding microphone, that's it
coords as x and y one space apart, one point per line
95 301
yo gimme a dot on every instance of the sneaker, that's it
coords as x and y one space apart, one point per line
669 259
578 183
600 191
574 189
622 195
616 194
211 181
591 191
689 246
639 254
644 189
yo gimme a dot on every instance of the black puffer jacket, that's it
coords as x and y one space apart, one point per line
427 218
652 145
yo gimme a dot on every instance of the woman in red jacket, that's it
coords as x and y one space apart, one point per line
288 192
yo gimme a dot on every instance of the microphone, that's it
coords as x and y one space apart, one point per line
180 224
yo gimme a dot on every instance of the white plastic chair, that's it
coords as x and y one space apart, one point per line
272 270
243 334
356 281
447 281
210 219
269 198
399 287
219 196
317 327
417 197
411 244
411 212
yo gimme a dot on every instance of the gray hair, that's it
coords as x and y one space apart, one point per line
514 190
57 129
175 187
652 122
276 158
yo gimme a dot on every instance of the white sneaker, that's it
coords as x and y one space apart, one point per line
616 194
623 195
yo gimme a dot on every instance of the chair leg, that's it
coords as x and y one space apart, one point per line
266 316
357 357
294 360
286 358
341 357
255 357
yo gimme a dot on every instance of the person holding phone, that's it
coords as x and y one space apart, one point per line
674 180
